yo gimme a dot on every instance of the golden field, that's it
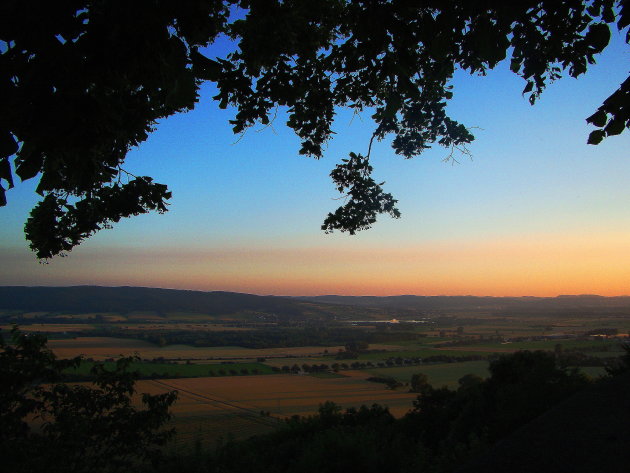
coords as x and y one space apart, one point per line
211 408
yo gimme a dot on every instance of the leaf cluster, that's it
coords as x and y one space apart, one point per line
365 198
397 59
81 82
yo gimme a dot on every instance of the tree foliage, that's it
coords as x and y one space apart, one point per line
48 425
419 383
83 81
521 386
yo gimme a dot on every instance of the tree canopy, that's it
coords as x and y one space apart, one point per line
84 81
50 425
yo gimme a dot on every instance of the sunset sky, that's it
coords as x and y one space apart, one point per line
535 212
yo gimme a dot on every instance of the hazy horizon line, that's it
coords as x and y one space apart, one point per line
319 295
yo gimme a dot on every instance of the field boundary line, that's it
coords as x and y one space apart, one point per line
251 413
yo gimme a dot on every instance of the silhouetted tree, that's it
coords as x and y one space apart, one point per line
521 386
623 363
419 383
48 425
84 81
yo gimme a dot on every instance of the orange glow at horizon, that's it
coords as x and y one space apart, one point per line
537 265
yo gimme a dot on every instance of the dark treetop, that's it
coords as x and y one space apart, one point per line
81 82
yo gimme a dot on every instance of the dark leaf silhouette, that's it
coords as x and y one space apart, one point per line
82 82
48 425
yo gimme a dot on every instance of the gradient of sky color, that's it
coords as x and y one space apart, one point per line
535 212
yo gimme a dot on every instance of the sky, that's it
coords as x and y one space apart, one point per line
535 211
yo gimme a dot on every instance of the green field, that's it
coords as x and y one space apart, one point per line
593 371
599 345
443 374
181 370
421 352
447 374
326 374
425 342
432 347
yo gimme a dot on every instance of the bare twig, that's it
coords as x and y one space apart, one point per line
461 149
370 146
127 173
240 137
270 124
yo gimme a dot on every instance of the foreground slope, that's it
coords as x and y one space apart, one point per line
589 432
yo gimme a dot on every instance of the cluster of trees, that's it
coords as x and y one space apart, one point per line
232 372
317 368
400 361
391 383
390 362
607 331
576 358
49 425
352 350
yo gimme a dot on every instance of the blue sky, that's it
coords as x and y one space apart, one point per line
535 211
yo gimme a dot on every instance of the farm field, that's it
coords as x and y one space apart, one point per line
222 390
211 408
98 348
442 374
50 328
424 352
206 361
522 326
432 346
603 347
206 327
101 348
182 370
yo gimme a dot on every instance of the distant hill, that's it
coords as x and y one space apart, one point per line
505 305
123 300
96 299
